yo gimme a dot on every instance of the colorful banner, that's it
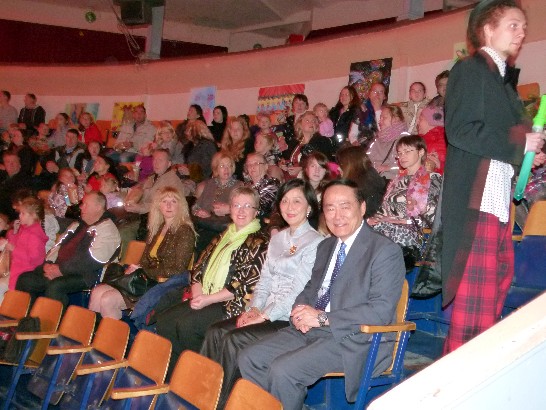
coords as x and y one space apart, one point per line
365 73
75 109
123 113
205 97
277 101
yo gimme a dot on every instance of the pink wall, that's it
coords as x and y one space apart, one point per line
419 49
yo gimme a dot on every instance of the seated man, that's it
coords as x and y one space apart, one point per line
362 284
75 262
132 137
61 157
11 180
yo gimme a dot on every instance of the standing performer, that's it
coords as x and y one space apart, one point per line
486 138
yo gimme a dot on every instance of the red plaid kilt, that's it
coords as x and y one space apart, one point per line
485 283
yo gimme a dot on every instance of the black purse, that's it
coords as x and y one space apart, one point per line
132 286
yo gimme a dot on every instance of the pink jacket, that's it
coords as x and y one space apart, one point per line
28 252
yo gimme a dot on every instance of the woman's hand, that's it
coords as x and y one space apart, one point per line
200 301
131 268
252 317
3 243
373 221
220 208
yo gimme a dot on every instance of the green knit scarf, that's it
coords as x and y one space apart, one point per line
217 270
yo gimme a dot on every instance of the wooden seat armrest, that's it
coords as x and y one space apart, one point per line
129 392
9 322
517 238
35 335
53 350
396 327
101 367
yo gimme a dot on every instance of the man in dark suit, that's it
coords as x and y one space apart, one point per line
11 180
357 279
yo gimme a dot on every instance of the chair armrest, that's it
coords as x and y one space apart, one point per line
9 322
54 350
396 327
35 335
101 367
129 392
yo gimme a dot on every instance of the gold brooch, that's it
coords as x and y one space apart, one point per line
292 249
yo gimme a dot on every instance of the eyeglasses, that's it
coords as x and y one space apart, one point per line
246 207
404 153
255 164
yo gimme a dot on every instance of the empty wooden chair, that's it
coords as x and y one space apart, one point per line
196 380
49 312
63 355
109 345
246 395
146 366
14 307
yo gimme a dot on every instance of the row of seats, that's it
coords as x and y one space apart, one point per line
70 370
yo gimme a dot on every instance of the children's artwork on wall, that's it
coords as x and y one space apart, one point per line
459 51
205 97
277 101
123 113
75 109
365 73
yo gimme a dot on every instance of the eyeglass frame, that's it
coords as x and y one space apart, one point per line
246 207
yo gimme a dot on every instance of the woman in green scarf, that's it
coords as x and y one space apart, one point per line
222 280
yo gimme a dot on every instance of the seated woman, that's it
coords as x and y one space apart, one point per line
165 138
286 270
411 198
88 128
265 143
66 194
211 209
346 114
223 278
266 186
382 150
219 122
85 160
356 166
238 143
310 140
101 169
168 251
198 151
316 172
62 124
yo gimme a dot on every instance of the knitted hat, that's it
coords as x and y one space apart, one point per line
433 115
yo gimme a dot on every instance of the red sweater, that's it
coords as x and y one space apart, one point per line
92 134
29 250
436 142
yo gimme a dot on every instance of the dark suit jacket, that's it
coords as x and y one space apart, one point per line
483 122
366 291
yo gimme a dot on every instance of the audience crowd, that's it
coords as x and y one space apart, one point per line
297 229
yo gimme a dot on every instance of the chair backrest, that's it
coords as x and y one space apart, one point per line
198 380
15 304
536 221
111 338
401 310
78 324
150 355
49 312
135 249
246 395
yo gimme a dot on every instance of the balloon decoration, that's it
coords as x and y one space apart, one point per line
90 16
